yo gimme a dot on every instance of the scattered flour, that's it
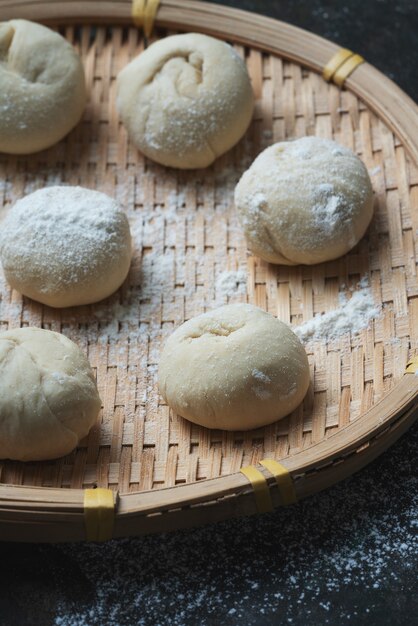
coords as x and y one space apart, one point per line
261 377
24 183
156 274
230 283
352 316
344 556
260 388
328 206
117 321
342 545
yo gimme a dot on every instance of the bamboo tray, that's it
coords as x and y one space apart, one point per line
166 472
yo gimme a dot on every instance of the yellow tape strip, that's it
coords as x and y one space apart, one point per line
283 479
150 13
261 488
99 514
412 366
346 69
143 14
138 12
335 62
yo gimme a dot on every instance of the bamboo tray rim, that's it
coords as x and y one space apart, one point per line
395 412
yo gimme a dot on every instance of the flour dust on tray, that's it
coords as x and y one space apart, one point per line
353 315
231 283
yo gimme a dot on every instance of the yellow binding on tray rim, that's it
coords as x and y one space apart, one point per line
335 62
138 12
346 69
283 479
260 486
143 14
99 514
341 65
412 365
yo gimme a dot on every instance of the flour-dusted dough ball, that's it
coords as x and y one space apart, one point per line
235 368
304 201
186 100
65 246
42 87
48 395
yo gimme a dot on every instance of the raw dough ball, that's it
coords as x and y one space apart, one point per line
48 395
42 87
186 100
304 201
233 368
65 246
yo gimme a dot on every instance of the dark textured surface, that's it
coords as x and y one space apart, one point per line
345 556
348 555
384 32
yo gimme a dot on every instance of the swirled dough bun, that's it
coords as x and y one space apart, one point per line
235 368
48 400
42 87
186 100
304 201
65 246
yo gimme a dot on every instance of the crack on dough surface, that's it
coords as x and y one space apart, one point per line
219 329
273 244
174 68
42 373
211 149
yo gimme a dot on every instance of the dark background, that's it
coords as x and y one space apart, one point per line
384 32
346 556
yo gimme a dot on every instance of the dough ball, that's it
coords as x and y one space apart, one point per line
42 87
233 368
186 100
65 246
304 201
48 400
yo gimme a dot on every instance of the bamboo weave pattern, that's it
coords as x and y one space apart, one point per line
186 234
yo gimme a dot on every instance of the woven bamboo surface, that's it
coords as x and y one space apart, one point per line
186 234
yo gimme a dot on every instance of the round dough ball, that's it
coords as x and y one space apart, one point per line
304 201
48 395
42 87
65 246
233 368
186 100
